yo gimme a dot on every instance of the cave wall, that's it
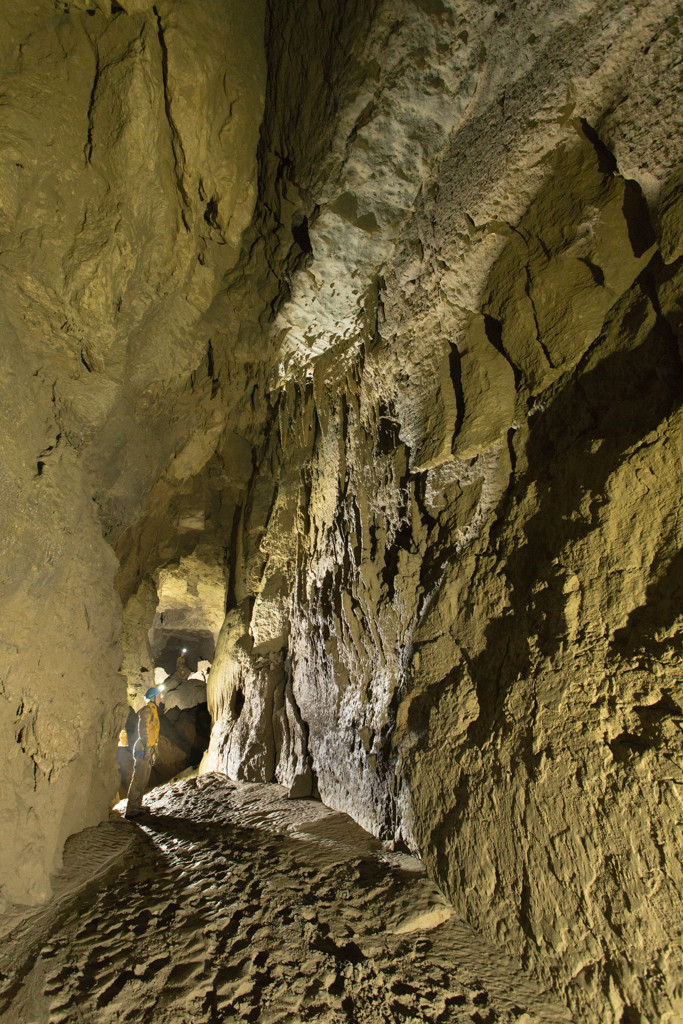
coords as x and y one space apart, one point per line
457 571
120 213
541 730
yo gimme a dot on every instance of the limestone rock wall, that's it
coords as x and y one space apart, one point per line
120 213
457 570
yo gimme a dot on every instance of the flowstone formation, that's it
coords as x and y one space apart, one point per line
408 377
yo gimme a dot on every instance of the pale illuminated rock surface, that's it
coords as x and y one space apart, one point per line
436 433
472 633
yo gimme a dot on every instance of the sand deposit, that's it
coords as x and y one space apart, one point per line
232 902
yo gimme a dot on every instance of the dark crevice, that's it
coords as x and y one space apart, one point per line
596 271
402 542
40 465
211 370
640 231
231 559
653 714
388 431
211 213
176 143
373 542
300 233
506 502
456 380
494 333
607 163
91 107
349 953
626 744
305 504
237 703
641 234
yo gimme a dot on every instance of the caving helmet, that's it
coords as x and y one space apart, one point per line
153 691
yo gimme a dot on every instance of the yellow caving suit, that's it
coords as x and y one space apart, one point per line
144 753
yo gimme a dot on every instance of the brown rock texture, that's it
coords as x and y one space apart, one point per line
120 212
405 370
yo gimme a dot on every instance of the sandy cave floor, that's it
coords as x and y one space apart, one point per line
233 903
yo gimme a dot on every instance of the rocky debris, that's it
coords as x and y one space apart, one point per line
237 903
183 738
184 693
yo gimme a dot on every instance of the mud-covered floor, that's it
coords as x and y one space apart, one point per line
231 903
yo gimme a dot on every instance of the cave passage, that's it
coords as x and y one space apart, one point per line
170 642
341 346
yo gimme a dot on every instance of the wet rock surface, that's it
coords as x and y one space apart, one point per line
232 902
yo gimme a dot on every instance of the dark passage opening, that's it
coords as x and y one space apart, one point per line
237 703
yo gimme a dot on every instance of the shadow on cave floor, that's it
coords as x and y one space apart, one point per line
234 903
